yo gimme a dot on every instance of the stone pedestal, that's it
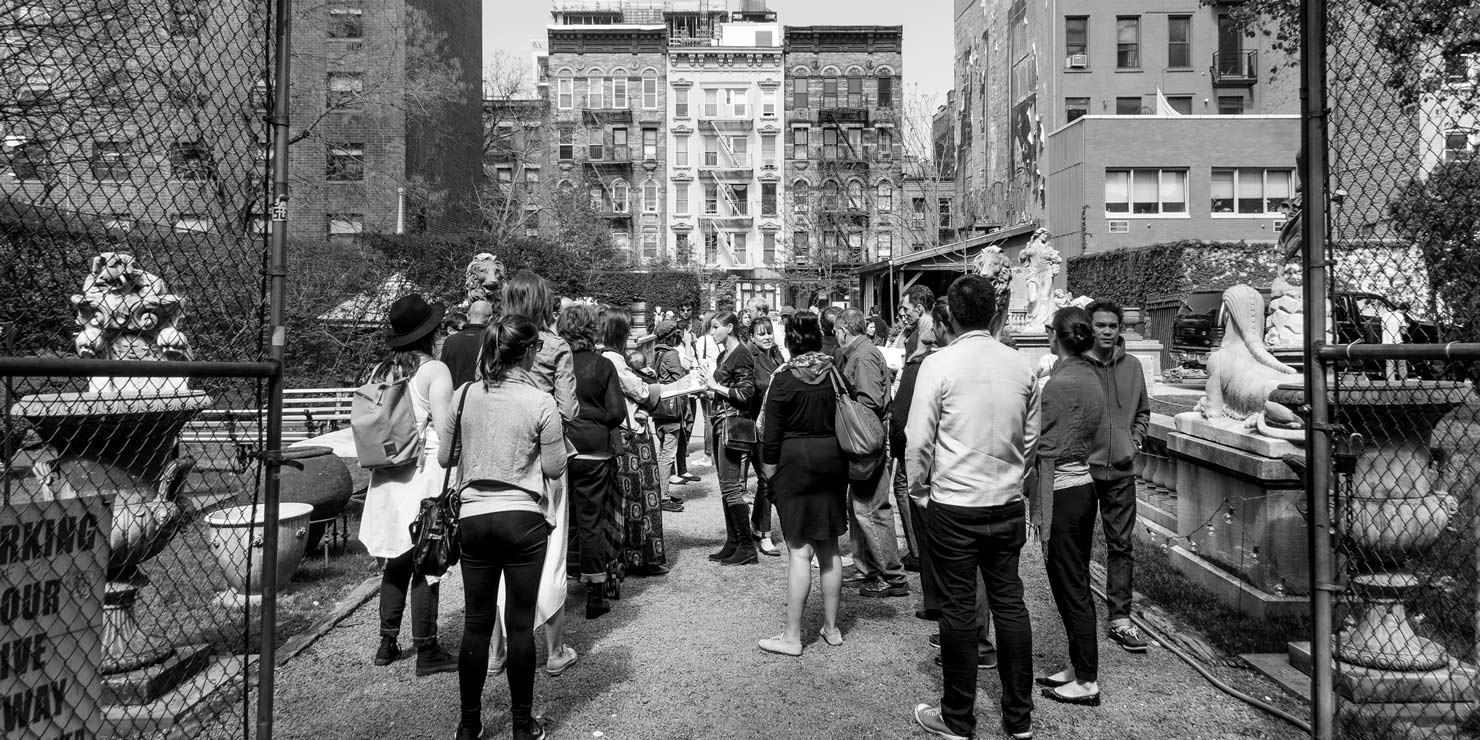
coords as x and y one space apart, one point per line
1033 346
1148 353
1450 683
144 685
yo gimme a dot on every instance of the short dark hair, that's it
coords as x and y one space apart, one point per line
1105 305
577 326
852 320
1071 326
727 318
758 320
828 319
804 333
616 325
921 296
973 302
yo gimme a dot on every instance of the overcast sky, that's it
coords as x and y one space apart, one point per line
509 25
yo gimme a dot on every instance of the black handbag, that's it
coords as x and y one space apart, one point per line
435 546
739 433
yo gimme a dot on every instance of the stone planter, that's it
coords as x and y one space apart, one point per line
323 482
236 539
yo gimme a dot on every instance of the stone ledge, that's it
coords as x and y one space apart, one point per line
1270 473
1440 690
1227 589
1195 424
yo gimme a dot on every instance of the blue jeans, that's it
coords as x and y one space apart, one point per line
730 467
871 527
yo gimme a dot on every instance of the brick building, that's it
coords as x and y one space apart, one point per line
515 150
844 120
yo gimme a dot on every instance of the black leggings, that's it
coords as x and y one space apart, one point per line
1071 535
508 545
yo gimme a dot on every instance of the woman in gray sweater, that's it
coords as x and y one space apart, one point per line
515 442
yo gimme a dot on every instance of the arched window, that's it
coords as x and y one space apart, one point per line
650 196
885 198
830 195
801 192
598 198
567 187
830 91
565 91
855 195
650 89
620 195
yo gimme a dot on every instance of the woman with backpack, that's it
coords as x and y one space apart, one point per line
511 447
394 497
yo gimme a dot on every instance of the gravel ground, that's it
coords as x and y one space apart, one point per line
676 658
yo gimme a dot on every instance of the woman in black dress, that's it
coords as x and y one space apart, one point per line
809 480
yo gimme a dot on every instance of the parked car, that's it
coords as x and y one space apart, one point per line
1358 317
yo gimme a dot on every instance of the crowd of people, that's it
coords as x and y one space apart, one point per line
570 446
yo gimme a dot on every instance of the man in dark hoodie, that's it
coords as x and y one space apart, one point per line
1127 416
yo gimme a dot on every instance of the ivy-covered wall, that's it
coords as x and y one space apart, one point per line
1137 276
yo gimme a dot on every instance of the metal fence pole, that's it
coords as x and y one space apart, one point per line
1318 434
277 276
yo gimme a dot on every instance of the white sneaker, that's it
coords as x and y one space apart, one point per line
557 664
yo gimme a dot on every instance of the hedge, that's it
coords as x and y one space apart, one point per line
1135 276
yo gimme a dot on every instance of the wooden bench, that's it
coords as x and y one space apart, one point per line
307 413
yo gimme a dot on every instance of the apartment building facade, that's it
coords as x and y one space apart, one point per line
725 176
844 127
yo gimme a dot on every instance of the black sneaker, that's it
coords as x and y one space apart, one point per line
855 578
910 563
672 505
389 651
880 589
1128 637
433 659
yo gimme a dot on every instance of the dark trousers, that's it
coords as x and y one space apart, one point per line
509 545
760 514
989 540
685 433
930 594
1071 535
730 466
394 580
593 493
1117 499
871 526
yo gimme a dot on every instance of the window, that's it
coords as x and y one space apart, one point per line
768 151
346 22
650 145
886 245
1181 103
711 151
740 149
681 151
799 93
800 192
650 244
764 38
1076 40
1457 145
567 145
345 227
597 198
886 144
768 104
1127 106
346 162
595 141
595 89
531 177
619 145
830 92
830 143
1230 105
190 223
711 104
1249 190
768 199
799 143
801 244
886 92
711 247
855 196
681 246
855 246
739 197
681 198
619 93
183 19
855 92
830 195
565 92
943 207
740 249
711 198
1128 42
768 248
650 196
621 196
1075 109
26 160
345 89
1146 192
1459 66
110 161
189 161
739 103
650 91
884 199
681 104
1179 41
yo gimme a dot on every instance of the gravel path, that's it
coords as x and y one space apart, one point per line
676 658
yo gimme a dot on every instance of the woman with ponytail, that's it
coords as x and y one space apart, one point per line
514 442
1064 510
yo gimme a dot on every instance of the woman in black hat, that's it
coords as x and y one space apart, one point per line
395 494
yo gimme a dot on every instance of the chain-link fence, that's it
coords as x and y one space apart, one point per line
1402 267
133 183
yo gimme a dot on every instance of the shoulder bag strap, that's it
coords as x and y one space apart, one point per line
839 387
456 456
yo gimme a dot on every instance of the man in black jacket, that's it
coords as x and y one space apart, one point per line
460 350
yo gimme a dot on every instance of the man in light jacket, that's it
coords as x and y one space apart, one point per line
1111 465
877 569
973 419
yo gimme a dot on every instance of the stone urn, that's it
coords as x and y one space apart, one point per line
323 482
236 540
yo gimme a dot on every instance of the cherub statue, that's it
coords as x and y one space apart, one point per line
127 313
1040 262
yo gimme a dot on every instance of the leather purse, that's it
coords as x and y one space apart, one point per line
739 433
435 546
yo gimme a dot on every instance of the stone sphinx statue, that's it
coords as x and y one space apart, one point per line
127 314
1040 263
1242 373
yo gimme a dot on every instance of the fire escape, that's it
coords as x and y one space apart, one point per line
844 217
730 169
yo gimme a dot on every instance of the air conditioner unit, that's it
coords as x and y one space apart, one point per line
1120 227
803 208
769 164
1077 61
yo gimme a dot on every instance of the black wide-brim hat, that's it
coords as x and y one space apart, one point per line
412 318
